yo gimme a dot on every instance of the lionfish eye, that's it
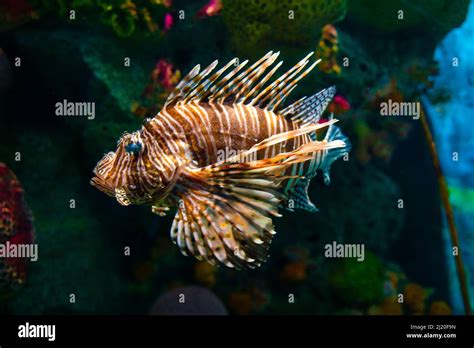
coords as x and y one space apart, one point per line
134 148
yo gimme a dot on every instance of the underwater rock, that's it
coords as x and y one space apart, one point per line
16 227
362 69
262 23
191 300
437 17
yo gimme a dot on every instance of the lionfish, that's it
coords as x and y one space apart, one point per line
226 153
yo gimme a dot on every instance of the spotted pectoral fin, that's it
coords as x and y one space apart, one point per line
231 226
161 208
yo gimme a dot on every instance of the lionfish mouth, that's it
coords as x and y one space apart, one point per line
103 186
99 180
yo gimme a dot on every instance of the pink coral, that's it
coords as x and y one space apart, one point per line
212 8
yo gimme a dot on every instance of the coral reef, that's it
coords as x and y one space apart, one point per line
262 23
339 105
414 296
212 8
163 79
124 17
127 55
327 50
407 298
16 227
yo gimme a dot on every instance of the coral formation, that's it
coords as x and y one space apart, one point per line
16 227
327 50
358 283
265 22
124 17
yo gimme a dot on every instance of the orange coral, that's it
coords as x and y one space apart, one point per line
440 308
414 297
389 91
389 306
327 50
294 272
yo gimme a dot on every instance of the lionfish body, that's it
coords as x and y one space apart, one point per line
226 153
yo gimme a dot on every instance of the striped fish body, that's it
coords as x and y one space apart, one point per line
217 131
227 155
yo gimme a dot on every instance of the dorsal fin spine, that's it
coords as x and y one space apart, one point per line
272 86
197 80
204 89
223 83
228 90
200 86
245 86
254 75
261 83
270 93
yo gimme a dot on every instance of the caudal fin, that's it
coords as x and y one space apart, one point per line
334 133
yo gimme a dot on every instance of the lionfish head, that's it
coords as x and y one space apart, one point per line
129 174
